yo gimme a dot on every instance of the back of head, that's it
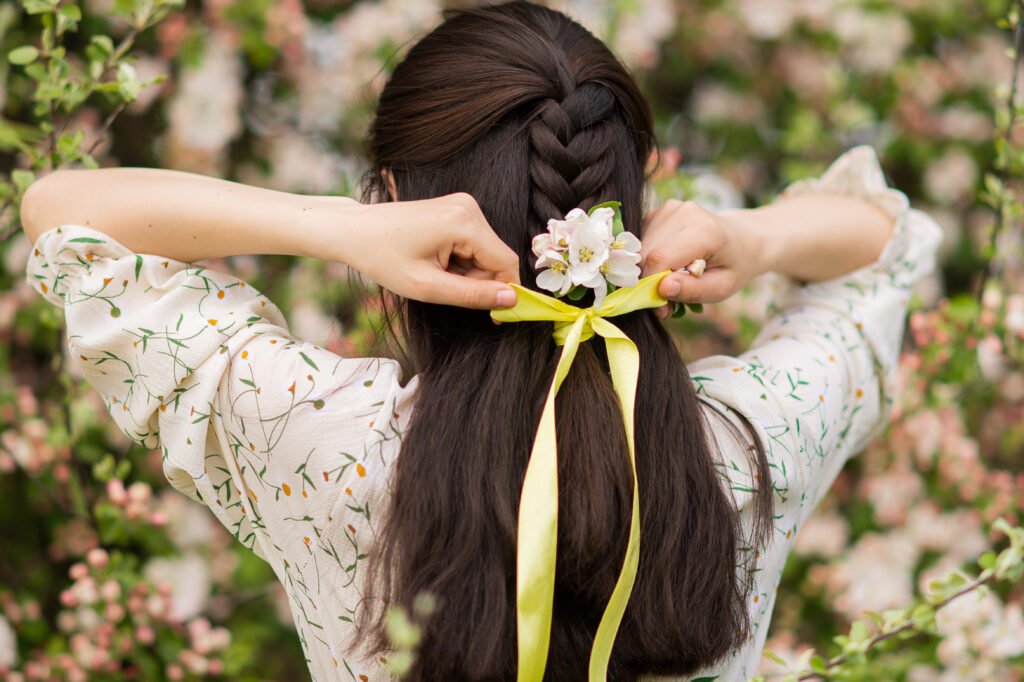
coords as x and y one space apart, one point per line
528 112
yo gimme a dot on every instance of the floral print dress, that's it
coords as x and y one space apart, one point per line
292 446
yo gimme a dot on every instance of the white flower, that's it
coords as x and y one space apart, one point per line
588 251
556 277
582 251
622 269
541 244
561 230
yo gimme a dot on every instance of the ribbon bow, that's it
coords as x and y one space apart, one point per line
538 504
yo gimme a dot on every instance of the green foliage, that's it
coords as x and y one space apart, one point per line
739 112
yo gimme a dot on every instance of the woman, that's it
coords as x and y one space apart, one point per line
499 120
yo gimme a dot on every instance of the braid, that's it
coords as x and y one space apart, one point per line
570 163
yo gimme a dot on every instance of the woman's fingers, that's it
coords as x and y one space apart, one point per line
438 286
711 287
477 242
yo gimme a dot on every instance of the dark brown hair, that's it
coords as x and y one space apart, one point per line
528 112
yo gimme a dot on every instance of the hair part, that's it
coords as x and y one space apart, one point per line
528 112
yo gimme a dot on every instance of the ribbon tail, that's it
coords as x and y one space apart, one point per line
538 531
624 363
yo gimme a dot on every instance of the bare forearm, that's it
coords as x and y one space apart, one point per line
816 237
183 216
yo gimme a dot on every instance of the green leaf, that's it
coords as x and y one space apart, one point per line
128 82
103 43
608 204
26 54
987 560
22 178
576 293
38 6
138 266
308 361
71 12
87 240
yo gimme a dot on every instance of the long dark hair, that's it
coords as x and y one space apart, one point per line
528 112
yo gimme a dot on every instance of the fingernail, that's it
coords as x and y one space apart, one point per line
506 298
672 288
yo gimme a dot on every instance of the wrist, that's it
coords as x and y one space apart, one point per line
325 227
761 250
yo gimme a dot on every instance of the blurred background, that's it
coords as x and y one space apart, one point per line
107 574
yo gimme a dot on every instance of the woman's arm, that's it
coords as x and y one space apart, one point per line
440 250
811 238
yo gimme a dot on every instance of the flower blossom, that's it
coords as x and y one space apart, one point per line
583 250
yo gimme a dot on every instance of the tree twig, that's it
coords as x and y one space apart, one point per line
878 639
102 135
1007 134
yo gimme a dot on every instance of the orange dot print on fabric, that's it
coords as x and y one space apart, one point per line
860 393
756 598
361 470
292 387
212 321
326 477
273 340
43 286
287 490
245 354
220 294
107 280
88 256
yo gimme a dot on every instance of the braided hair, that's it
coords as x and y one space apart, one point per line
533 116
570 160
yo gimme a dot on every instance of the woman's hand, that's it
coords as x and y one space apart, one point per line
439 250
680 232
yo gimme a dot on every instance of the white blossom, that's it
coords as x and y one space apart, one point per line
582 250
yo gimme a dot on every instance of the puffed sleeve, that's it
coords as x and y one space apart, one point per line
257 425
817 382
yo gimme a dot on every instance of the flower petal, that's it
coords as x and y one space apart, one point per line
626 241
541 243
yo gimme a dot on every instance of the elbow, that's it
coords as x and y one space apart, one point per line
39 204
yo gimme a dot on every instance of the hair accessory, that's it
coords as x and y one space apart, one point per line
587 250
538 504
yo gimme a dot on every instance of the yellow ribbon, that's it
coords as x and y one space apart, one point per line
538 504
